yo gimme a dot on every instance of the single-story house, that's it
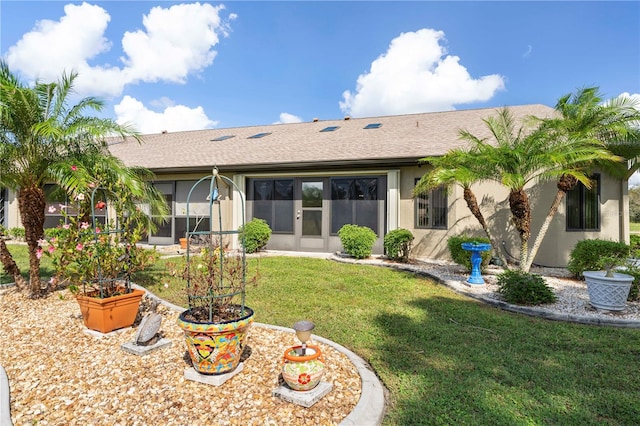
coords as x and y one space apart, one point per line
309 179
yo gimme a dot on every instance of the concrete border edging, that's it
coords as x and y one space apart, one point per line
5 399
459 287
370 408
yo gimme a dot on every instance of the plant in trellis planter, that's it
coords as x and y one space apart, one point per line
96 257
217 320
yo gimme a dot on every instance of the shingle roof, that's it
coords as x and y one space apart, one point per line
400 139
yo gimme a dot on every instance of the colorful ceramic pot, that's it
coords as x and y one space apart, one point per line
302 372
216 348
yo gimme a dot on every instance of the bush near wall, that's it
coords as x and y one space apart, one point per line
462 256
634 242
397 244
17 233
357 241
256 234
587 254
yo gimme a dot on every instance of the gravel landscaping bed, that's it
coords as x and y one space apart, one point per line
61 375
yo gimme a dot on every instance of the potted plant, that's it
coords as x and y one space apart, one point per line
96 257
216 322
609 289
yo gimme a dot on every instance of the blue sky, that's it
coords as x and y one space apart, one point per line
179 66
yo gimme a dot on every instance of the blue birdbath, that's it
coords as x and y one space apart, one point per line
476 260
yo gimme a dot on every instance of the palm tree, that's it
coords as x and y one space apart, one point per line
463 168
524 156
609 131
39 131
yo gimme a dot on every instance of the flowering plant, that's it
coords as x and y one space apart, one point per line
215 280
101 258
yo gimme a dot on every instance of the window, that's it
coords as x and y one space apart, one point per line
272 200
330 129
354 201
583 207
258 135
431 209
57 199
372 126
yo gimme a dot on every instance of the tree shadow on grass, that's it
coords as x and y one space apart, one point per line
454 361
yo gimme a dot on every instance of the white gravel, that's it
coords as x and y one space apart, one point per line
572 304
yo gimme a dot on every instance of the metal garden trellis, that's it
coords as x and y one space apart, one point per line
214 237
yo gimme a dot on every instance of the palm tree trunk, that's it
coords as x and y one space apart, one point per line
521 215
31 202
472 204
543 229
10 265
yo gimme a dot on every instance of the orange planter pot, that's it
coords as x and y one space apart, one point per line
183 243
111 313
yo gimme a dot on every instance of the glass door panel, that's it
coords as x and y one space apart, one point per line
312 193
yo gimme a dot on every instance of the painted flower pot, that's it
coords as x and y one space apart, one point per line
110 313
608 293
216 348
303 372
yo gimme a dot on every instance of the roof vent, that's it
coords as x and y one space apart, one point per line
346 117
164 132
316 119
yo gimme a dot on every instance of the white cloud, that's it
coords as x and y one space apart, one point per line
173 118
635 97
176 42
285 118
416 75
52 47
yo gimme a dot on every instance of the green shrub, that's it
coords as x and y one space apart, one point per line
634 293
462 256
17 233
397 244
54 232
256 235
587 255
523 288
357 240
634 242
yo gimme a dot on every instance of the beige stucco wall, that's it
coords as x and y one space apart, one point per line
556 245
432 243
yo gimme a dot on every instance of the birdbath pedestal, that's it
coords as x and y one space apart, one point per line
476 260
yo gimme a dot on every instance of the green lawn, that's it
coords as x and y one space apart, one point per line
447 359
634 227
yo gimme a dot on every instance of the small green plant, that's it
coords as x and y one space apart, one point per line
397 244
462 256
256 235
523 288
357 241
634 270
595 255
17 233
634 242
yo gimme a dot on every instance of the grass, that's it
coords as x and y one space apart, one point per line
634 227
447 359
